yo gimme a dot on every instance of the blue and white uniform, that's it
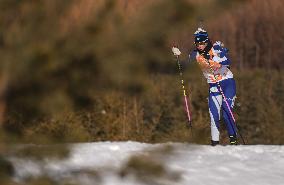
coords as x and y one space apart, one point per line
217 55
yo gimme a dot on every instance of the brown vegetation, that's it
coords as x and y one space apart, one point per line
254 34
102 70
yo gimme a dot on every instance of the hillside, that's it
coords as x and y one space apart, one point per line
132 163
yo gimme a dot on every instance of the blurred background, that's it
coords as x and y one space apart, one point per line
102 70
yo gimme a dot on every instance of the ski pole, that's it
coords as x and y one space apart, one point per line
227 104
187 108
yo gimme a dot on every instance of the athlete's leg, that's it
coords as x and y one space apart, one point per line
214 103
229 90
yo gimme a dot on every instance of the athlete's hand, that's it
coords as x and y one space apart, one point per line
176 51
214 65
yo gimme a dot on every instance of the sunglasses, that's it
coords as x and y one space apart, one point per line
201 43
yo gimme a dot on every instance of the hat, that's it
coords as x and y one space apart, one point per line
201 35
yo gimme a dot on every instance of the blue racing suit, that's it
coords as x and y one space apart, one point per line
216 71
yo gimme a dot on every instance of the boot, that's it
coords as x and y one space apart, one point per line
214 143
233 140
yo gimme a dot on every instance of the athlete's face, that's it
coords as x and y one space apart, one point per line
201 45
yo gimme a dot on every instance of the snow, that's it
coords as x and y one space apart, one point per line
185 164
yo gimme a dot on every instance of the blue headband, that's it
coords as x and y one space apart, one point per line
201 34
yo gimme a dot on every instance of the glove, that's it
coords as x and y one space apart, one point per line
176 51
214 65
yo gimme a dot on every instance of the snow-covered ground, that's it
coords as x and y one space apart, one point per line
132 163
